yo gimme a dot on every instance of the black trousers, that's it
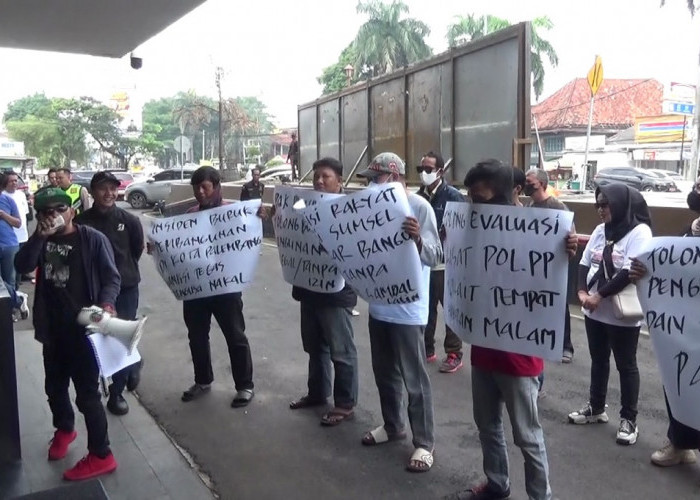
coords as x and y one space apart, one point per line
680 435
622 341
71 357
227 309
452 344
126 306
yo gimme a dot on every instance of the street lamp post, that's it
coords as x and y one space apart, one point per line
349 70
219 74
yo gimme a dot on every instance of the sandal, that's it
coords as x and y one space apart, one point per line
420 461
306 402
242 398
380 436
336 416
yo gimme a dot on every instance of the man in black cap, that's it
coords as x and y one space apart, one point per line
125 233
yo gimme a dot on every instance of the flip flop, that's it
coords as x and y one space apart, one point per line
242 398
306 402
380 436
336 416
420 461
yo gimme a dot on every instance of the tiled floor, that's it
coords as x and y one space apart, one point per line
150 466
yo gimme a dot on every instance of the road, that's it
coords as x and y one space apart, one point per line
267 451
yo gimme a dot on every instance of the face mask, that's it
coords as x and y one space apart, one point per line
528 190
427 179
694 201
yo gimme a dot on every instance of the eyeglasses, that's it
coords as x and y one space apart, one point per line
52 210
601 206
427 170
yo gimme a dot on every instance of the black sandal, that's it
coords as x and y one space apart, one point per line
243 397
306 402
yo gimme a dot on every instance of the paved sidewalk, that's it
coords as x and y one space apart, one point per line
150 464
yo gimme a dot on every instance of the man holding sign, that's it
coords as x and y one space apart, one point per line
486 309
396 331
326 328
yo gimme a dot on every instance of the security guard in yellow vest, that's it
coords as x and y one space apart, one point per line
79 196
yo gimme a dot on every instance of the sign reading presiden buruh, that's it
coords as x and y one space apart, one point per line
211 252
670 298
304 260
506 273
363 234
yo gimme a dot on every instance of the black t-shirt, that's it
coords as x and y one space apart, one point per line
64 274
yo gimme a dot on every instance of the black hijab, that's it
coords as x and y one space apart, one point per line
628 209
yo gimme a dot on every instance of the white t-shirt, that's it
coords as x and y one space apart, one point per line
23 209
623 251
416 313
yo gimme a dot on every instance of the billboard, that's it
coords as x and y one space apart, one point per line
664 128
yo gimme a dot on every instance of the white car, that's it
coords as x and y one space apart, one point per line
684 186
157 188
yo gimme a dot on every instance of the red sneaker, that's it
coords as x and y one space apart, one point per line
91 466
59 444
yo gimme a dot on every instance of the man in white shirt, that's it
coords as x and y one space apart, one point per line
20 200
396 332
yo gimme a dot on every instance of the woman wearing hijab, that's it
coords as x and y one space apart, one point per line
226 308
682 439
604 272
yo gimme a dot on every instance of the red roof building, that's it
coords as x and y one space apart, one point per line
617 104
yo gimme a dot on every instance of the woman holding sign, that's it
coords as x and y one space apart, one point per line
604 273
682 439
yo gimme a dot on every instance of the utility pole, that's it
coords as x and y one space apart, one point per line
219 74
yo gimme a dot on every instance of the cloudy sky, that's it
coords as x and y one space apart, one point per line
275 50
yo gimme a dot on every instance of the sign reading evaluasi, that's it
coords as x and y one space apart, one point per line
506 272
207 253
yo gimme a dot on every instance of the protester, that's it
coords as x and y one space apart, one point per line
396 332
10 220
75 269
11 183
604 272
293 156
226 308
502 378
682 439
125 233
253 190
52 181
537 182
326 328
438 193
80 198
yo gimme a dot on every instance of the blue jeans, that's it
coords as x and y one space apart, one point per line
126 306
7 271
490 392
327 336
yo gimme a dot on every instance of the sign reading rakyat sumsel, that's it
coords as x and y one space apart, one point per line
670 298
210 252
506 272
363 233
304 260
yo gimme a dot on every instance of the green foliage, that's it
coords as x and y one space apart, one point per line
274 162
37 105
388 40
333 77
471 27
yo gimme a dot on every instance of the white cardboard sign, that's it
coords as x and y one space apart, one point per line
211 252
506 273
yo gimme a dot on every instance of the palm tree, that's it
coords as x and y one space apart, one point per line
470 27
386 41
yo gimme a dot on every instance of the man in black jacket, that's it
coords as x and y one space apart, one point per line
326 329
75 268
125 233
253 190
438 193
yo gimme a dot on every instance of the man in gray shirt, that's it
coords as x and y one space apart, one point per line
536 182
